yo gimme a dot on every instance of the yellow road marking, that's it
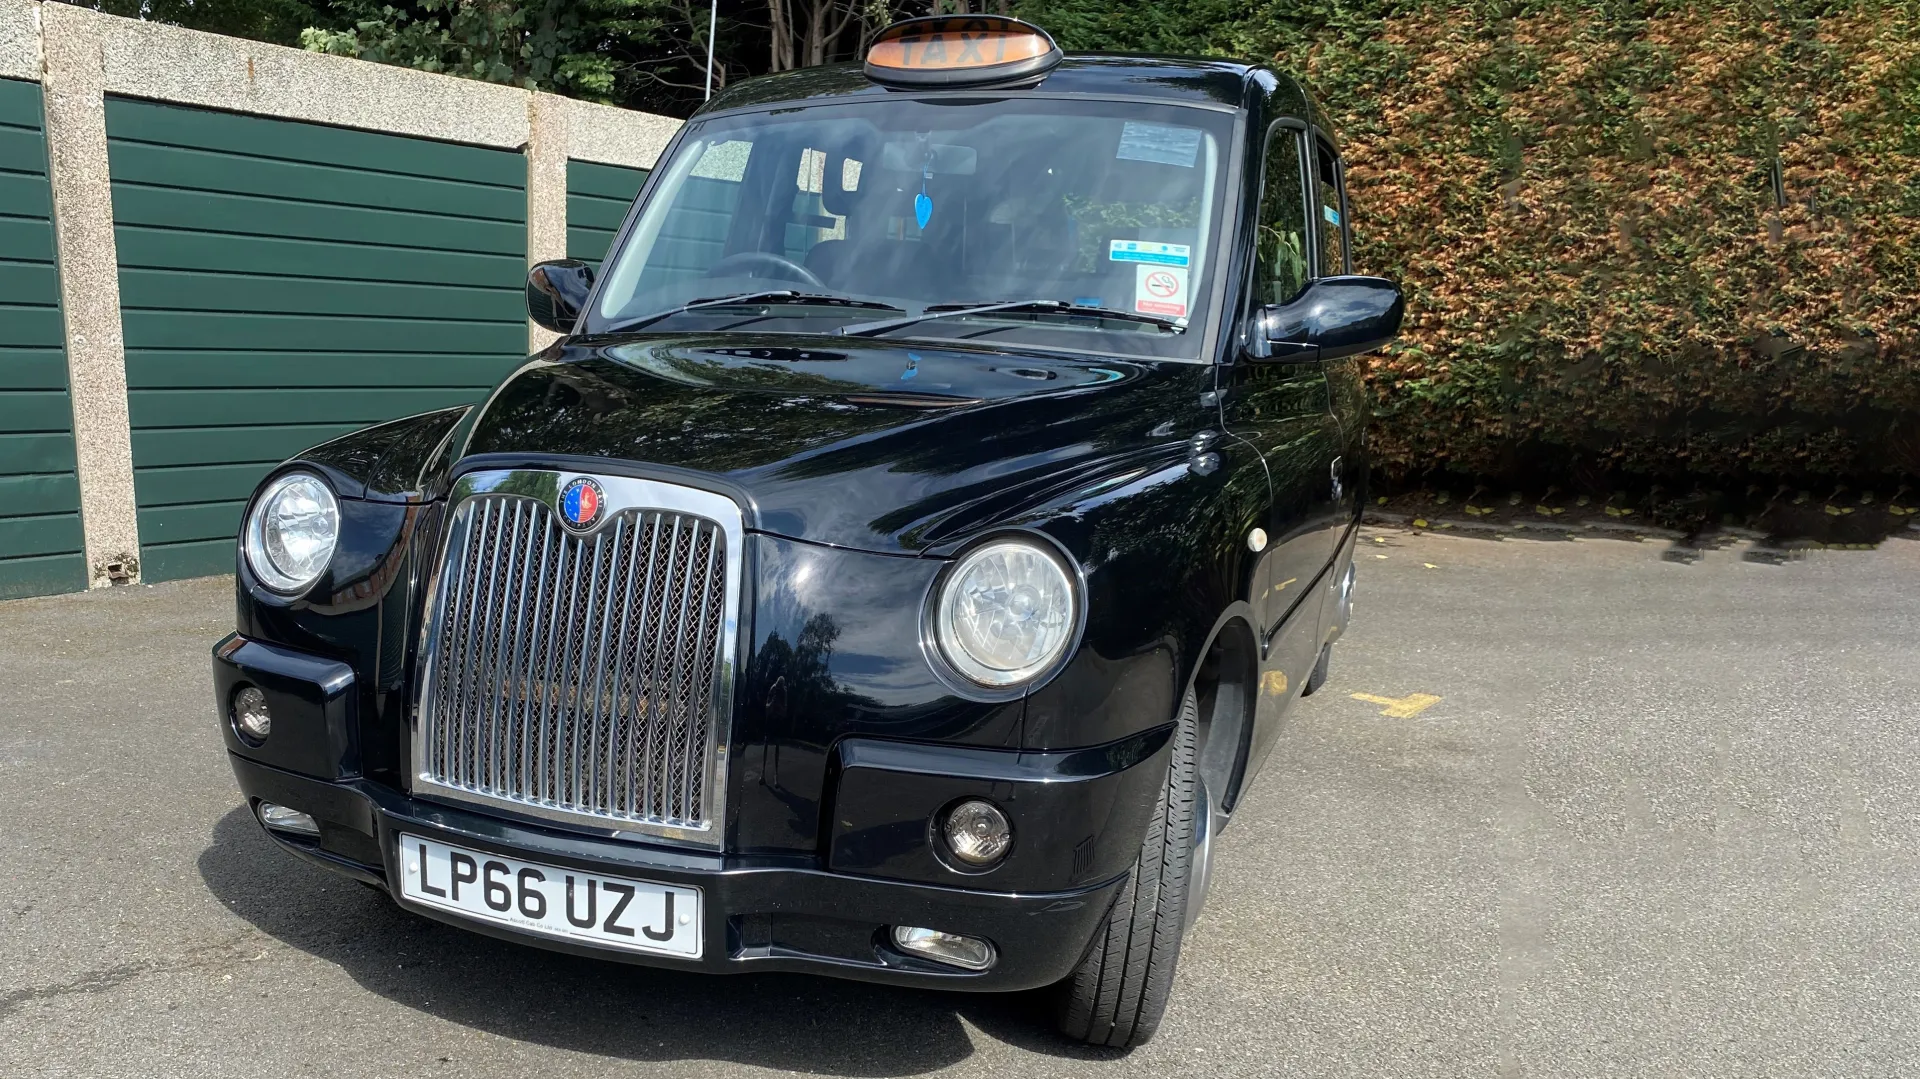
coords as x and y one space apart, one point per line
1401 707
1279 587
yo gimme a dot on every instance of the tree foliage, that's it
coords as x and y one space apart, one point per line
276 21
587 48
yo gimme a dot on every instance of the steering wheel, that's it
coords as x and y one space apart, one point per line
778 266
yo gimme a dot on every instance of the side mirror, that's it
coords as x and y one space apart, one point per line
556 292
1332 317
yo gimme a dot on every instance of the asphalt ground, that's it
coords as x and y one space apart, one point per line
1660 821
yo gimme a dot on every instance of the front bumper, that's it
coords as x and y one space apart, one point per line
761 913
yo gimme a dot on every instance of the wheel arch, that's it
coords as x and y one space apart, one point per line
1225 681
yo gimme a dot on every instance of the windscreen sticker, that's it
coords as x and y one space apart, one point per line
1160 290
1158 254
1331 214
1160 143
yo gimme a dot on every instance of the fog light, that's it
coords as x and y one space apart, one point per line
978 833
250 715
952 949
282 819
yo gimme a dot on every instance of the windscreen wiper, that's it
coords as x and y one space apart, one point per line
773 296
1061 307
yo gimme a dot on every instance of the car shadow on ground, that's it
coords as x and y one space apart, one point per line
786 1021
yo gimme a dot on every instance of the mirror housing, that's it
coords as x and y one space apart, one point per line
557 292
1332 317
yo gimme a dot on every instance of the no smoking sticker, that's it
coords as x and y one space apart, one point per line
1160 290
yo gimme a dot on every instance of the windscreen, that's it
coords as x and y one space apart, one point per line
907 205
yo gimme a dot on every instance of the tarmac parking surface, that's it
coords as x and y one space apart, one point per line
1563 809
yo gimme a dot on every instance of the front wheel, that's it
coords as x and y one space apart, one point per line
1120 992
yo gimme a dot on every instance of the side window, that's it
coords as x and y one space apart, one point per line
1330 210
1280 252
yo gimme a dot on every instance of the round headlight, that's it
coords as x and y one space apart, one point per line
1006 613
292 532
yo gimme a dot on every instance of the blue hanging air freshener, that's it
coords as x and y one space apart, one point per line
922 205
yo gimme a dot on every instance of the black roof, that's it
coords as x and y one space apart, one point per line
1176 79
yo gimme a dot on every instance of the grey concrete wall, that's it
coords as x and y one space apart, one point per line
19 39
613 136
80 56
166 63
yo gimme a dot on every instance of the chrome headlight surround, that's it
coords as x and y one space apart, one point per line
301 500
955 650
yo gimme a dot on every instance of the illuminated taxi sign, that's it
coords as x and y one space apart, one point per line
960 50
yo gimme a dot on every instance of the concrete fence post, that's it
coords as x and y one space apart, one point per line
74 81
547 142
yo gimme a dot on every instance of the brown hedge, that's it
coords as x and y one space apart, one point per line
1609 276
1611 280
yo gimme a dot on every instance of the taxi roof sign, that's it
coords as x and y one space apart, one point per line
960 50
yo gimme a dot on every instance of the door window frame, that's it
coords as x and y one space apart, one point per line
1295 130
1322 142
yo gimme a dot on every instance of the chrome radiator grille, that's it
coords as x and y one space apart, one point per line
579 676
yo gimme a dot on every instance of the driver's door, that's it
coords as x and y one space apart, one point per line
1346 376
1283 411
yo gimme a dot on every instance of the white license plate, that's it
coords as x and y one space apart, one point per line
612 912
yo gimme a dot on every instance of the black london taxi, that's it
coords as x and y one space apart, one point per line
899 567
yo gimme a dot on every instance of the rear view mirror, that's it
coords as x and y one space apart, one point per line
939 158
1332 317
557 291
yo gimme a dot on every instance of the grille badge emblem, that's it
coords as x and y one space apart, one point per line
580 503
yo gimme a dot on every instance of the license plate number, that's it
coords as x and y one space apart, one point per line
612 912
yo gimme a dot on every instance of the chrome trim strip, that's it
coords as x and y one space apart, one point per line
706 593
646 604
464 549
680 662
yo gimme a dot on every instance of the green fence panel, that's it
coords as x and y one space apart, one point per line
40 538
597 201
282 283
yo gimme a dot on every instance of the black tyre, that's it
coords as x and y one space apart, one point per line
1319 676
1120 992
